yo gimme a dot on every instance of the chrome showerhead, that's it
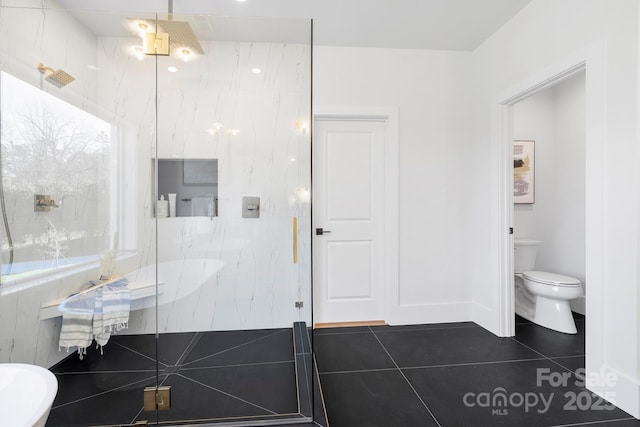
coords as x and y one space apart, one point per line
59 78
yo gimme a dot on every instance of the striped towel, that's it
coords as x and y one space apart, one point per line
77 322
98 319
95 314
112 313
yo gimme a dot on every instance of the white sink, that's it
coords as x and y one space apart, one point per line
26 394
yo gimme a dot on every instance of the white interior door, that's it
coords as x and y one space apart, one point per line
348 191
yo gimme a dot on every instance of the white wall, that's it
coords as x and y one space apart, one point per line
554 119
534 119
429 90
546 36
568 253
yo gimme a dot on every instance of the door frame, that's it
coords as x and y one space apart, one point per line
388 115
590 59
502 136
504 119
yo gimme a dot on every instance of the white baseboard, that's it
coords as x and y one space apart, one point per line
618 388
486 318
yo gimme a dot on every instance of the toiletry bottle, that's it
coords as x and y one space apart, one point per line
172 204
163 207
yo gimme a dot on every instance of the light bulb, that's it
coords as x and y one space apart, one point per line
302 126
137 51
185 54
142 28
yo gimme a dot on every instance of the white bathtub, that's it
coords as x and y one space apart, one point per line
178 278
26 394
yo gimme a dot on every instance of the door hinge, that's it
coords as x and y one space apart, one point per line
299 304
510 230
157 398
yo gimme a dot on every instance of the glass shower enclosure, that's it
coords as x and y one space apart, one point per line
155 197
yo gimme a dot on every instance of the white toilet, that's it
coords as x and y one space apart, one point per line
542 297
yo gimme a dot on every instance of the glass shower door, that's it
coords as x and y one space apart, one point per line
183 176
233 165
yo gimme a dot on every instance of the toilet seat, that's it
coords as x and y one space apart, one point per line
552 279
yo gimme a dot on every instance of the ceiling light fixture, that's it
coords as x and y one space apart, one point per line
302 126
186 54
142 28
214 128
138 52
172 69
256 70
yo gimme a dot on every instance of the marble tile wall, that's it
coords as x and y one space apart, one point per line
29 37
215 107
256 125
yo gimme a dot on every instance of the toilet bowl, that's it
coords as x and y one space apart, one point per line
540 296
543 298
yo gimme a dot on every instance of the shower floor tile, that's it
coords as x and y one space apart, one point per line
242 347
98 399
240 376
270 388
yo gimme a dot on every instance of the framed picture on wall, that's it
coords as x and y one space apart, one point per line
524 183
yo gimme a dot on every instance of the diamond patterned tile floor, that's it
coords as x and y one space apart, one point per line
241 376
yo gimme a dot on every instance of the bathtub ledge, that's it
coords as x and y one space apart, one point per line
139 291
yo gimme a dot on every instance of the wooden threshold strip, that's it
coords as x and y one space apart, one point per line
349 324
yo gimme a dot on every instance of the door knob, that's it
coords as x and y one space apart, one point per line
320 231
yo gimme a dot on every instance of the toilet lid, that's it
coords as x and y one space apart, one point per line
550 278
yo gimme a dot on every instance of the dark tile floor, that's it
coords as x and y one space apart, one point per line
457 374
246 377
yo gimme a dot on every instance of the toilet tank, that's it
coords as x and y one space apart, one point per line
524 254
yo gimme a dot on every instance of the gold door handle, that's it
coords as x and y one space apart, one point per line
295 239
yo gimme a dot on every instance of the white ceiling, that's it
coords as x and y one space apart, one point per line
410 24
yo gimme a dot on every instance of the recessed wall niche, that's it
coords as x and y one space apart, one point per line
194 183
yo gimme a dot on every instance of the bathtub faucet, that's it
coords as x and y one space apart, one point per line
51 203
43 203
